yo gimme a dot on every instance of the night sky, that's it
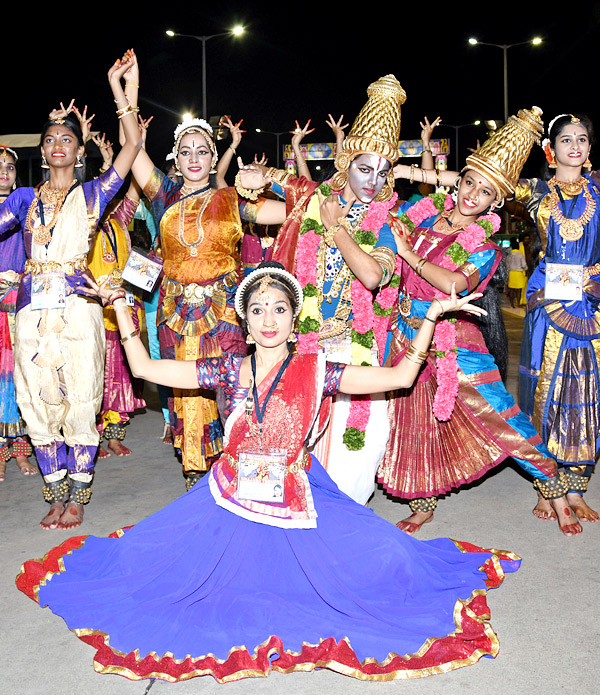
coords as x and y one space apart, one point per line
305 64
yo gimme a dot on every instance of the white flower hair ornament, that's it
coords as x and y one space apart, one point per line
194 125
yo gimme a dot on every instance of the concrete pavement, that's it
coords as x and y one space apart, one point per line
546 615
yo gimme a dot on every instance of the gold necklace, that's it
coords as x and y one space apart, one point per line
200 238
570 229
42 235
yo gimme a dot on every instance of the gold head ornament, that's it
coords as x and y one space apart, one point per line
502 156
376 130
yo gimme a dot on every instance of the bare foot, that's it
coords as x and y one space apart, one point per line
25 466
72 516
567 520
102 453
414 522
52 518
581 509
117 448
167 434
2 470
543 509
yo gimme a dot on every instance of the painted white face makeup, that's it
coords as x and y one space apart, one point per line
367 176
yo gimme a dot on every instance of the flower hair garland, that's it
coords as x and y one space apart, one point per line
368 324
458 252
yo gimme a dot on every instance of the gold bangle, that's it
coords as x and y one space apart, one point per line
232 149
425 150
135 334
421 354
435 299
328 235
412 173
419 266
246 193
414 355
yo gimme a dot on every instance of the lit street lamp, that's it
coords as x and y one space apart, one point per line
236 31
534 42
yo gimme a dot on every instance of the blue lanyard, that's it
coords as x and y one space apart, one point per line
260 412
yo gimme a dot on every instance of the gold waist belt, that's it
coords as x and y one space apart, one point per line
66 267
296 467
194 293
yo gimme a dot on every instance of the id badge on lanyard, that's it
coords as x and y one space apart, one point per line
261 475
142 269
48 291
564 281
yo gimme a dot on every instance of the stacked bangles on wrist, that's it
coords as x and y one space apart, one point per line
117 294
419 266
414 355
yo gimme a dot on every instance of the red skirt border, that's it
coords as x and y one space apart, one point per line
472 639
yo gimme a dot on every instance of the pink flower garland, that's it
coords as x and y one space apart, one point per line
306 272
445 332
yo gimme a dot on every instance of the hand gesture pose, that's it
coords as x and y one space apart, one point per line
427 129
61 111
332 211
262 162
253 176
441 306
106 149
84 122
299 133
144 123
338 129
120 68
234 129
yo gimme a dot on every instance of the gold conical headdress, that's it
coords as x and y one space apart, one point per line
376 129
502 156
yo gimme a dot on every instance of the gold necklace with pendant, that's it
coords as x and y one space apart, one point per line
570 229
200 238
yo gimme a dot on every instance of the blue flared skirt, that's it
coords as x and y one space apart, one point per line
194 590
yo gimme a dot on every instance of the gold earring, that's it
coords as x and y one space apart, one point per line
587 164
250 340
44 162
552 162
292 337
78 163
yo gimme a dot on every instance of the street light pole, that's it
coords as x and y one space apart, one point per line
536 41
236 31
277 135
456 129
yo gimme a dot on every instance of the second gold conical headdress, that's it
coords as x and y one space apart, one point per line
502 156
